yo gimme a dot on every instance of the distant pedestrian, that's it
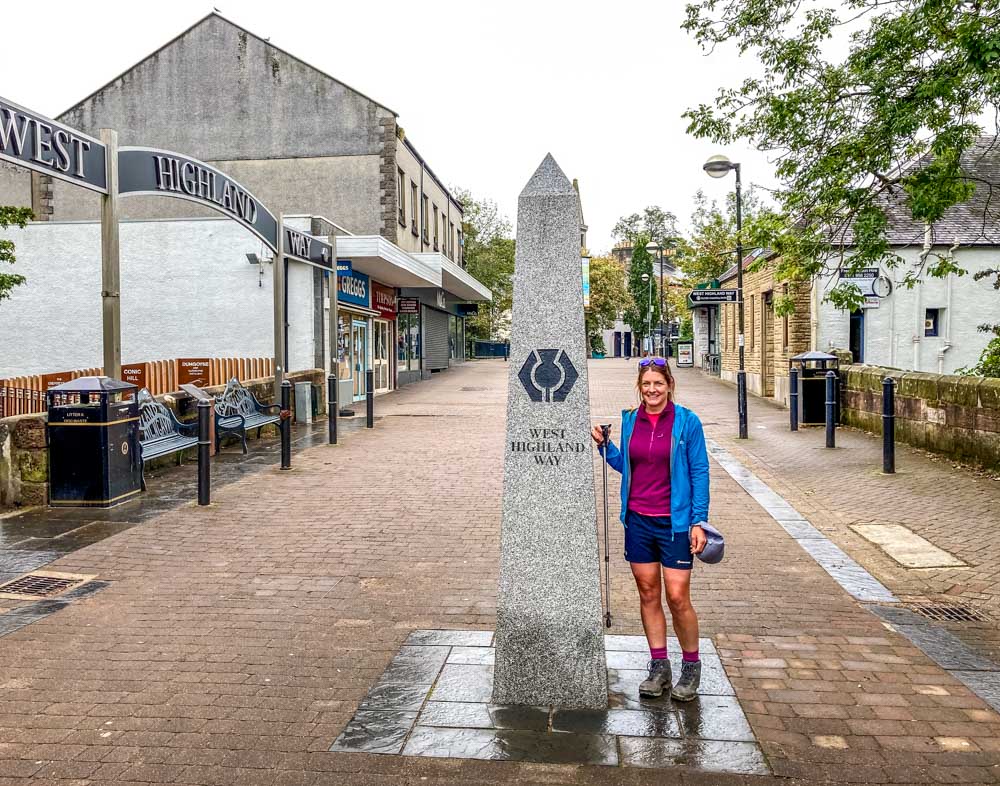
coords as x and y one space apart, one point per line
664 491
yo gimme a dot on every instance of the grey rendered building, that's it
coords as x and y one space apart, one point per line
304 144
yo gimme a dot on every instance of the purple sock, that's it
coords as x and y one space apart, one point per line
658 653
690 657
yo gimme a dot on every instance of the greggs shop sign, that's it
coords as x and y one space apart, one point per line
384 300
353 288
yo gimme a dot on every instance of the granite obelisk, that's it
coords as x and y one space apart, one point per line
549 639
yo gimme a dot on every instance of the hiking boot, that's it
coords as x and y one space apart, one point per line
659 677
687 686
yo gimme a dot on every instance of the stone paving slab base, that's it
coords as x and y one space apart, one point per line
434 700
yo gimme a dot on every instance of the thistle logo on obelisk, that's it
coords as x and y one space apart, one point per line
548 375
549 639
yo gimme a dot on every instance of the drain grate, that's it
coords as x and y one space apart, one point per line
41 585
947 613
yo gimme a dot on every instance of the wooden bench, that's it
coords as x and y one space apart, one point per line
237 411
161 433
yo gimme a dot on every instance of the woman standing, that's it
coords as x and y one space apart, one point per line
664 467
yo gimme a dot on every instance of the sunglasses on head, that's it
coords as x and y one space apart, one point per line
655 361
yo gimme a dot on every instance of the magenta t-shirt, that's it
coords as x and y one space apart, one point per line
649 456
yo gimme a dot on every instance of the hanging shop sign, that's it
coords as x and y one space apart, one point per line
702 297
869 281
466 309
408 305
384 300
162 173
352 289
35 142
308 249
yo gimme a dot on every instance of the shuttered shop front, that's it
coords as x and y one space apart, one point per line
435 339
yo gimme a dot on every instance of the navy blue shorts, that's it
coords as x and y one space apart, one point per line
650 539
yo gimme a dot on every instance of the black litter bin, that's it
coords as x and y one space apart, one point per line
812 386
93 439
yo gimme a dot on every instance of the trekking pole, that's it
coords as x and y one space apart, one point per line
606 434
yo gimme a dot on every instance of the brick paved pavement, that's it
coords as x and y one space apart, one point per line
954 507
235 642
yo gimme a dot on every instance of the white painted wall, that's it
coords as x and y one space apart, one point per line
187 291
894 332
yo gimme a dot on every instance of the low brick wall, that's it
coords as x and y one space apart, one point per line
953 415
24 455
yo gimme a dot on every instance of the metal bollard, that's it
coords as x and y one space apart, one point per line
831 409
741 402
370 399
331 404
286 425
793 398
889 426
204 457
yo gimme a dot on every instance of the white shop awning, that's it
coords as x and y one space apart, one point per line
454 280
386 262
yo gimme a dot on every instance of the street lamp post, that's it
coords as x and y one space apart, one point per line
659 260
719 166
649 310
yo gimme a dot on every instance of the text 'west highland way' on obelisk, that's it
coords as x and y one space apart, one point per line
549 639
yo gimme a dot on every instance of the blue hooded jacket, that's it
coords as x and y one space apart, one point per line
688 467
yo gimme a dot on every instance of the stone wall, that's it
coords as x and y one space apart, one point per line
24 455
770 340
953 415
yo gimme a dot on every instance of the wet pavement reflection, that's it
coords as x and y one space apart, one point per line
33 539
434 700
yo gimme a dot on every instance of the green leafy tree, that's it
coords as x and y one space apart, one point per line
643 308
489 257
989 360
917 79
710 248
608 299
18 217
657 225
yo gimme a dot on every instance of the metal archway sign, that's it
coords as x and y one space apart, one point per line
43 145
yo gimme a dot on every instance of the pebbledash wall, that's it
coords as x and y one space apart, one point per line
187 290
893 332
954 415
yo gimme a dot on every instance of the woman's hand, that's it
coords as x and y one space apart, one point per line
698 539
598 437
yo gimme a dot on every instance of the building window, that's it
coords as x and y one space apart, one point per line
451 239
401 197
461 249
444 233
752 312
435 227
423 217
413 208
932 322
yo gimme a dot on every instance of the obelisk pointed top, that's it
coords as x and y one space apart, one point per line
548 179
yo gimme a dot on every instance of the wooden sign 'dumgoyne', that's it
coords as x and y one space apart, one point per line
549 639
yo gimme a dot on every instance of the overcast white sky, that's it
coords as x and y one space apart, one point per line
483 90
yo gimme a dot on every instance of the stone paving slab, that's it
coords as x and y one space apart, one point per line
445 711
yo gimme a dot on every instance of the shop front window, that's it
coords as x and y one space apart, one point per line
452 336
344 357
408 342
